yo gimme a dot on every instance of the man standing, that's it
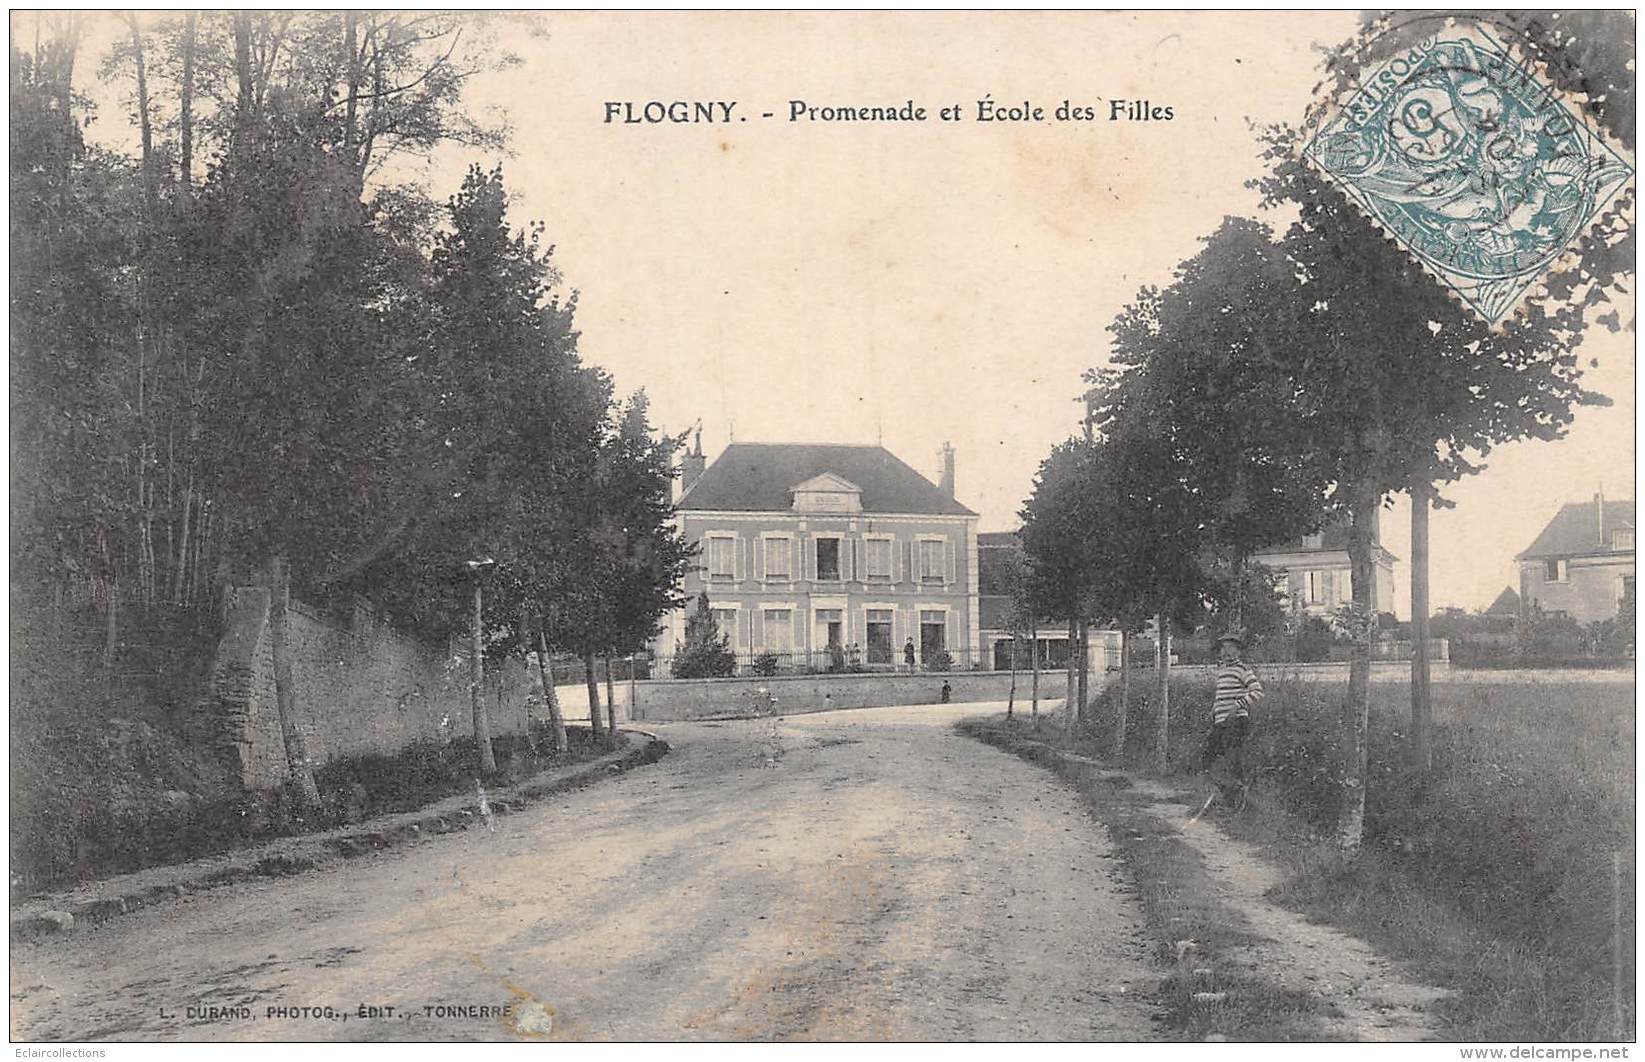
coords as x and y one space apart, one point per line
1237 689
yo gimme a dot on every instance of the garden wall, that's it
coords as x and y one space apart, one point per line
673 699
362 686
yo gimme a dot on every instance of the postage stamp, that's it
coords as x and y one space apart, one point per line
1465 155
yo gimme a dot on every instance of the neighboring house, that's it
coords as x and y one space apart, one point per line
1582 564
1316 576
994 549
809 548
1506 603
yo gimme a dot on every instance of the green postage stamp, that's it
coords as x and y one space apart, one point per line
1465 155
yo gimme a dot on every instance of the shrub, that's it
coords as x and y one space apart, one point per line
705 652
765 664
941 660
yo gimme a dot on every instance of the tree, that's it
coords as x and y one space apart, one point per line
1588 61
1056 541
704 652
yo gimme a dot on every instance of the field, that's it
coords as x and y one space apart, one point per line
1508 875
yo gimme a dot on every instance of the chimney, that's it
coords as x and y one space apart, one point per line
946 484
693 463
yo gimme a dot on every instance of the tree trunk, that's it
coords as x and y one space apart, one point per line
1070 706
1034 663
1085 667
610 700
285 688
476 674
1356 709
145 125
1422 494
111 634
545 667
593 684
1125 696
1162 657
185 110
1011 698
242 73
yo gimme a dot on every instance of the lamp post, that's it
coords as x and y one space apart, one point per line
476 667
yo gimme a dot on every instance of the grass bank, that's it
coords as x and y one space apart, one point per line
1507 875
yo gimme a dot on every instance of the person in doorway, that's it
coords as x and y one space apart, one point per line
1238 688
908 653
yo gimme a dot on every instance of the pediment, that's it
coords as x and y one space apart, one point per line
827 482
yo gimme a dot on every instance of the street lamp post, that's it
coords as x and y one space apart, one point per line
482 725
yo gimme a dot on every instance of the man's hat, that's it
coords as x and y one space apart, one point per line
1237 637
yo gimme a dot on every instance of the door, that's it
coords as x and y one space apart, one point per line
879 636
933 635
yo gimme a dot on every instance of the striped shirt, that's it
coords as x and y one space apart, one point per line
1237 689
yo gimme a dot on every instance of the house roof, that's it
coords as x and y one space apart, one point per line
1506 603
761 477
1574 530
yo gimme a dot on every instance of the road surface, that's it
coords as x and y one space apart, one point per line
862 875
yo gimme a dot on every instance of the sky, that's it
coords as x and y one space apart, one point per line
922 283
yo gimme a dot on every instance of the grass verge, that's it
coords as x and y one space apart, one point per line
1505 875
1179 904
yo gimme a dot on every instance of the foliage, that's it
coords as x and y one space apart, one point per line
765 664
705 652
1314 639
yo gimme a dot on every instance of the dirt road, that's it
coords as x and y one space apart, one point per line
865 874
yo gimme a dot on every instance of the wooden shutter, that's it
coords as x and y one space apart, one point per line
908 561
953 560
810 571
737 565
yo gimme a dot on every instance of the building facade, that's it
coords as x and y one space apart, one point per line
1582 564
1316 576
829 556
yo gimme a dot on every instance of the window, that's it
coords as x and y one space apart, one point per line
933 562
1556 571
777 554
722 557
1313 541
779 630
828 559
1622 538
725 622
879 635
1313 591
879 558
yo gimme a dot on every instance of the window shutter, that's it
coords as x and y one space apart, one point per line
908 561
756 629
1345 587
737 565
799 630
758 549
896 562
953 561
810 559
795 554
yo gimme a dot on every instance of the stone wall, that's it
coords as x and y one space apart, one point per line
362 687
